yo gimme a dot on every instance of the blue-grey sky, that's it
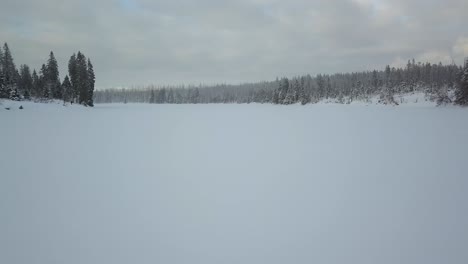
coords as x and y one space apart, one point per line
135 42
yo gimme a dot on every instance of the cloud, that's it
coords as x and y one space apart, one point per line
460 49
185 41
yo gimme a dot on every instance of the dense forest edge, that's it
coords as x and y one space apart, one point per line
45 85
444 84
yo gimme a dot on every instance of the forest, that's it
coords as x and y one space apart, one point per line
436 81
45 85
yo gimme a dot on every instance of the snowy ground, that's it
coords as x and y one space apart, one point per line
233 184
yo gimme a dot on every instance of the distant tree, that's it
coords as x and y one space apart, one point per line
35 84
304 98
283 90
170 97
67 90
73 74
43 83
195 96
462 90
152 99
26 81
179 99
161 96
275 98
321 86
9 72
52 79
442 96
2 77
91 82
82 79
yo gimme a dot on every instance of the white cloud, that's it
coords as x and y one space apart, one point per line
232 40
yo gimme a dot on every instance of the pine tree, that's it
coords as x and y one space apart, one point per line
283 90
170 97
26 81
52 79
2 77
10 74
67 90
35 84
303 96
195 96
82 80
275 98
72 73
321 86
462 90
91 82
44 88
152 99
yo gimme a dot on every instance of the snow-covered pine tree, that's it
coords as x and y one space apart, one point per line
26 81
10 74
52 78
44 88
91 82
82 80
35 92
195 96
283 90
462 89
67 90
170 96
320 87
152 99
304 98
2 77
73 75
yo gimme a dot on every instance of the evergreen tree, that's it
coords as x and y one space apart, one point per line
320 86
152 99
275 98
195 96
2 77
26 81
9 72
170 97
72 73
91 82
283 90
52 79
303 96
35 84
82 79
44 88
67 90
462 90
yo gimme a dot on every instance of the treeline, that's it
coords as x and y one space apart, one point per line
45 85
437 81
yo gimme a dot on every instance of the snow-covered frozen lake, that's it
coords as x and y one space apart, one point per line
204 184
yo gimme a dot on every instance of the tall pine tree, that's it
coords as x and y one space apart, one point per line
35 85
462 90
9 72
67 90
52 78
72 72
82 78
91 82
26 81
44 89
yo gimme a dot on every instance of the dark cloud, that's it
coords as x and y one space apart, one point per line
185 41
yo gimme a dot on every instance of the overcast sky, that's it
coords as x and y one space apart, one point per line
134 42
